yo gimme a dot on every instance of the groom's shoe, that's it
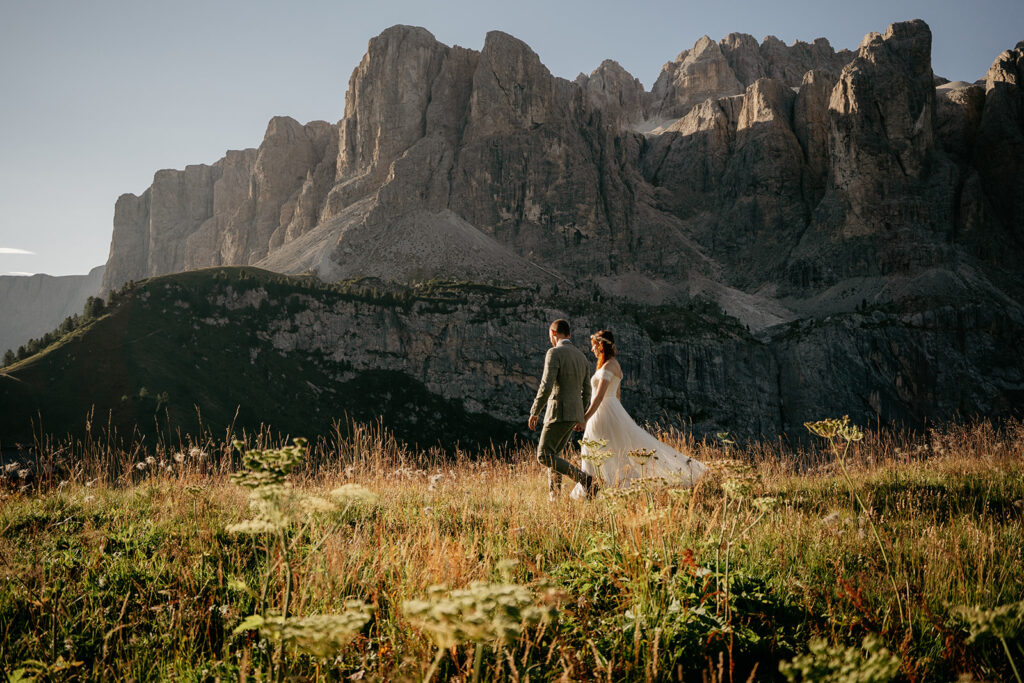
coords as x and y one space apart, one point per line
592 489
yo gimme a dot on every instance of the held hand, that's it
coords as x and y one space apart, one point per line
580 426
532 424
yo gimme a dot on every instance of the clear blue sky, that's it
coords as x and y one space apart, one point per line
97 95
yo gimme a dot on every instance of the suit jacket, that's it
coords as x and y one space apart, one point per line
565 386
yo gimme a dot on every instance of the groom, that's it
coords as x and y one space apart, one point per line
565 381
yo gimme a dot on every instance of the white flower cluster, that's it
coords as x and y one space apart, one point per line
320 635
871 663
484 612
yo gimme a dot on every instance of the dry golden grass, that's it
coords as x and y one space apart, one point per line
124 572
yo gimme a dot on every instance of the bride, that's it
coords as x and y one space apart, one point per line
607 421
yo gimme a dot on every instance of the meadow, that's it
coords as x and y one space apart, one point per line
890 557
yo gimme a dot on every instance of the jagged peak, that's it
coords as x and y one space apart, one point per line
606 68
736 38
401 33
499 43
902 29
281 121
609 65
702 47
498 39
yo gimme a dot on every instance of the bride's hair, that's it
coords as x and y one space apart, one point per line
605 341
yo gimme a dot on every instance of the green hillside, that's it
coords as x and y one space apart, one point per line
165 360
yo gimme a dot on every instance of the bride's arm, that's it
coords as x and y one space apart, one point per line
602 388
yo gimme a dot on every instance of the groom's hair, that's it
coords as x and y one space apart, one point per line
560 327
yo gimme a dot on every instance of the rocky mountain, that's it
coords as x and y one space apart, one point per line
861 217
31 306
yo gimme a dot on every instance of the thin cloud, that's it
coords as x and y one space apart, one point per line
17 272
12 250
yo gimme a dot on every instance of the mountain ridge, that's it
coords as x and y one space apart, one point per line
206 351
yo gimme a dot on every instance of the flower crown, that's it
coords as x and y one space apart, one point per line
599 338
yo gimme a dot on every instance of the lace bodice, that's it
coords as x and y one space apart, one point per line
612 379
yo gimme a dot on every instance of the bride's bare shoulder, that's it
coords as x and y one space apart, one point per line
613 367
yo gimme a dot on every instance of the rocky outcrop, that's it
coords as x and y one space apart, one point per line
616 93
882 125
696 75
234 211
31 306
999 149
715 70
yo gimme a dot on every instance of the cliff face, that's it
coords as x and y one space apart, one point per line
461 362
31 306
786 183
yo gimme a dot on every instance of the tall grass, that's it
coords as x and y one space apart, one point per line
116 562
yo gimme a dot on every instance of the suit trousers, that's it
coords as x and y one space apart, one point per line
553 439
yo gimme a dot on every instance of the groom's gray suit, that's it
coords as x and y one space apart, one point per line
565 388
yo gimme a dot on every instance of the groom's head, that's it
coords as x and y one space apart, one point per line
558 331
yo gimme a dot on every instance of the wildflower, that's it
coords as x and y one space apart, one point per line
833 428
23 474
11 467
150 460
312 505
1005 622
593 444
592 450
871 663
434 481
640 456
88 498
179 457
196 453
320 635
483 612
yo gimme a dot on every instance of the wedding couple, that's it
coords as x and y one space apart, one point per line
565 389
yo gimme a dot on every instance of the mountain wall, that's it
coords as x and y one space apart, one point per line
31 306
793 186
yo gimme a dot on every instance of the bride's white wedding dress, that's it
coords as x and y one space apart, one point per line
611 423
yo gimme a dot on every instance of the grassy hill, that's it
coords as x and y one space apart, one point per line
169 358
